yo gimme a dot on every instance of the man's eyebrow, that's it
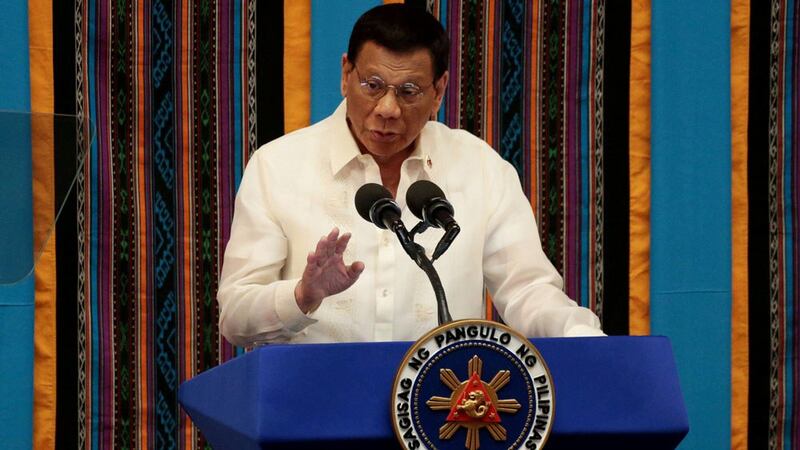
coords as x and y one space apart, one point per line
370 73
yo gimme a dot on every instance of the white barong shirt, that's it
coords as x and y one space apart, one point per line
297 188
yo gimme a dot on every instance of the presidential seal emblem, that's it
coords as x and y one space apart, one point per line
470 384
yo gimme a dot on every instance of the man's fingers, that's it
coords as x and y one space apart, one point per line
313 262
328 246
334 234
329 243
341 244
355 269
321 252
320 249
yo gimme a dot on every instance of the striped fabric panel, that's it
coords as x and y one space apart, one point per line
120 331
772 221
551 131
169 92
554 147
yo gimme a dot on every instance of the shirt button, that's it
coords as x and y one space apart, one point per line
385 292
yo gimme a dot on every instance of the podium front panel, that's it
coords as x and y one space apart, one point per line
610 392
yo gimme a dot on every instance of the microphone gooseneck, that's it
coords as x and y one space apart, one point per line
443 312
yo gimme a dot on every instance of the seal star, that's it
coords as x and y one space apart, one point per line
473 404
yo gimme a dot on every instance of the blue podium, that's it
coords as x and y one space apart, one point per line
610 393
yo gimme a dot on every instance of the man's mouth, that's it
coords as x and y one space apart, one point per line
383 136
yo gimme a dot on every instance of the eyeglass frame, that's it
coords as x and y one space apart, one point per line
363 82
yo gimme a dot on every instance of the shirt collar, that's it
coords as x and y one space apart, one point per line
346 148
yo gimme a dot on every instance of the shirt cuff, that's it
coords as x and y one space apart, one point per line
582 330
286 307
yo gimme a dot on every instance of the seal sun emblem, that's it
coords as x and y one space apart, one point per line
474 404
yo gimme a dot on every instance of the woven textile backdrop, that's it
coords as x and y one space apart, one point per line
768 303
178 95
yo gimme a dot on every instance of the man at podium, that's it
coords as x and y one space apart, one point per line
282 282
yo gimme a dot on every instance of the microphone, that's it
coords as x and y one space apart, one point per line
427 201
375 204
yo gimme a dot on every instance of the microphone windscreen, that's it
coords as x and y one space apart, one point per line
367 195
419 193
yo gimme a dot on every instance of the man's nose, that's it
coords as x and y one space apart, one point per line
388 106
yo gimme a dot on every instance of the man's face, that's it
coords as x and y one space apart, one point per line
387 127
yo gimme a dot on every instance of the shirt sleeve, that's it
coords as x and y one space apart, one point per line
256 306
525 287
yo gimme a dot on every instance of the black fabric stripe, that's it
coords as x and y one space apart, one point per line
163 201
551 82
66 435
616 238
123 211
269 71
417 3
204 105
758 227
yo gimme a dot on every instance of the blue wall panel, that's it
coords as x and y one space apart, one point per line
16 365
16 299
331 23
691 210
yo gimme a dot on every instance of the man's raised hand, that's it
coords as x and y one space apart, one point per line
326 273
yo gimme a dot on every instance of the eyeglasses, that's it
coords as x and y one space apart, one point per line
375 88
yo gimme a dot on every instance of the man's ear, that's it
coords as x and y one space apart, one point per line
346 69
440 86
